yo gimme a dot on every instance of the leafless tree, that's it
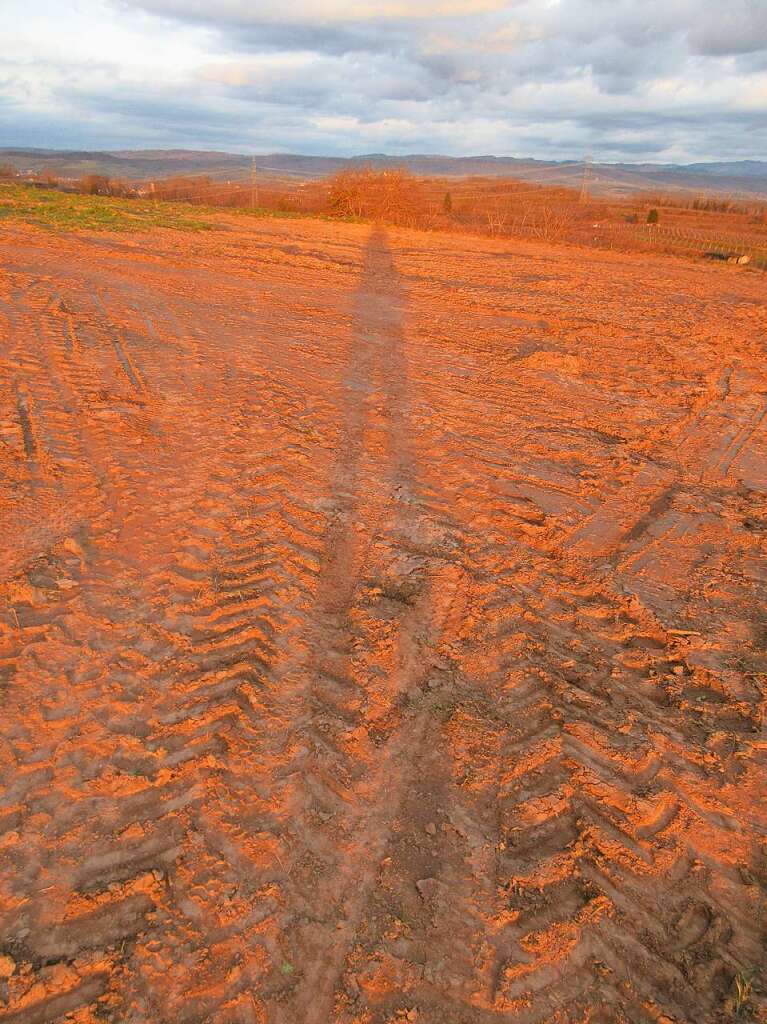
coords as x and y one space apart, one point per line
394 196
497 218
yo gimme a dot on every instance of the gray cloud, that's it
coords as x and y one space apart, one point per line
663 80
741 27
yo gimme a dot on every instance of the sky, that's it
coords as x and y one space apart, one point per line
665 81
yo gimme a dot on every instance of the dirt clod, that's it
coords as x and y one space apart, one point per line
428 888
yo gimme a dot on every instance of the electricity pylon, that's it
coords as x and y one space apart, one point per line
253 184
584 196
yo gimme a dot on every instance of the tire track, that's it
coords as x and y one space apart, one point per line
378 610
310 710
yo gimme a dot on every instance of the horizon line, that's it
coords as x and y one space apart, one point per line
380 154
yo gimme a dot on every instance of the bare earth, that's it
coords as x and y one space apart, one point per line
382 631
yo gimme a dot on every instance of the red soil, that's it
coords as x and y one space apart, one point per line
381 631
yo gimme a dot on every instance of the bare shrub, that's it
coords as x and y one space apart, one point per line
49 178
497 219
393 196
553 223
94 185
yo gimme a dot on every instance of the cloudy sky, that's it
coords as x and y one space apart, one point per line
658 80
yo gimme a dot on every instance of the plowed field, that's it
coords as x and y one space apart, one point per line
382 631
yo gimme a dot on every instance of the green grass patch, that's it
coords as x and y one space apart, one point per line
67 211
261 211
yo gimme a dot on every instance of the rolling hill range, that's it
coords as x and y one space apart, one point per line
744 177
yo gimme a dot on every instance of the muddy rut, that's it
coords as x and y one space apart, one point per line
381 631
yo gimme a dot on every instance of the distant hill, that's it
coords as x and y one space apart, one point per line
758 168
739 177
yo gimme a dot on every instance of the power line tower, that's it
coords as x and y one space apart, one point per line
253 184
584 196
